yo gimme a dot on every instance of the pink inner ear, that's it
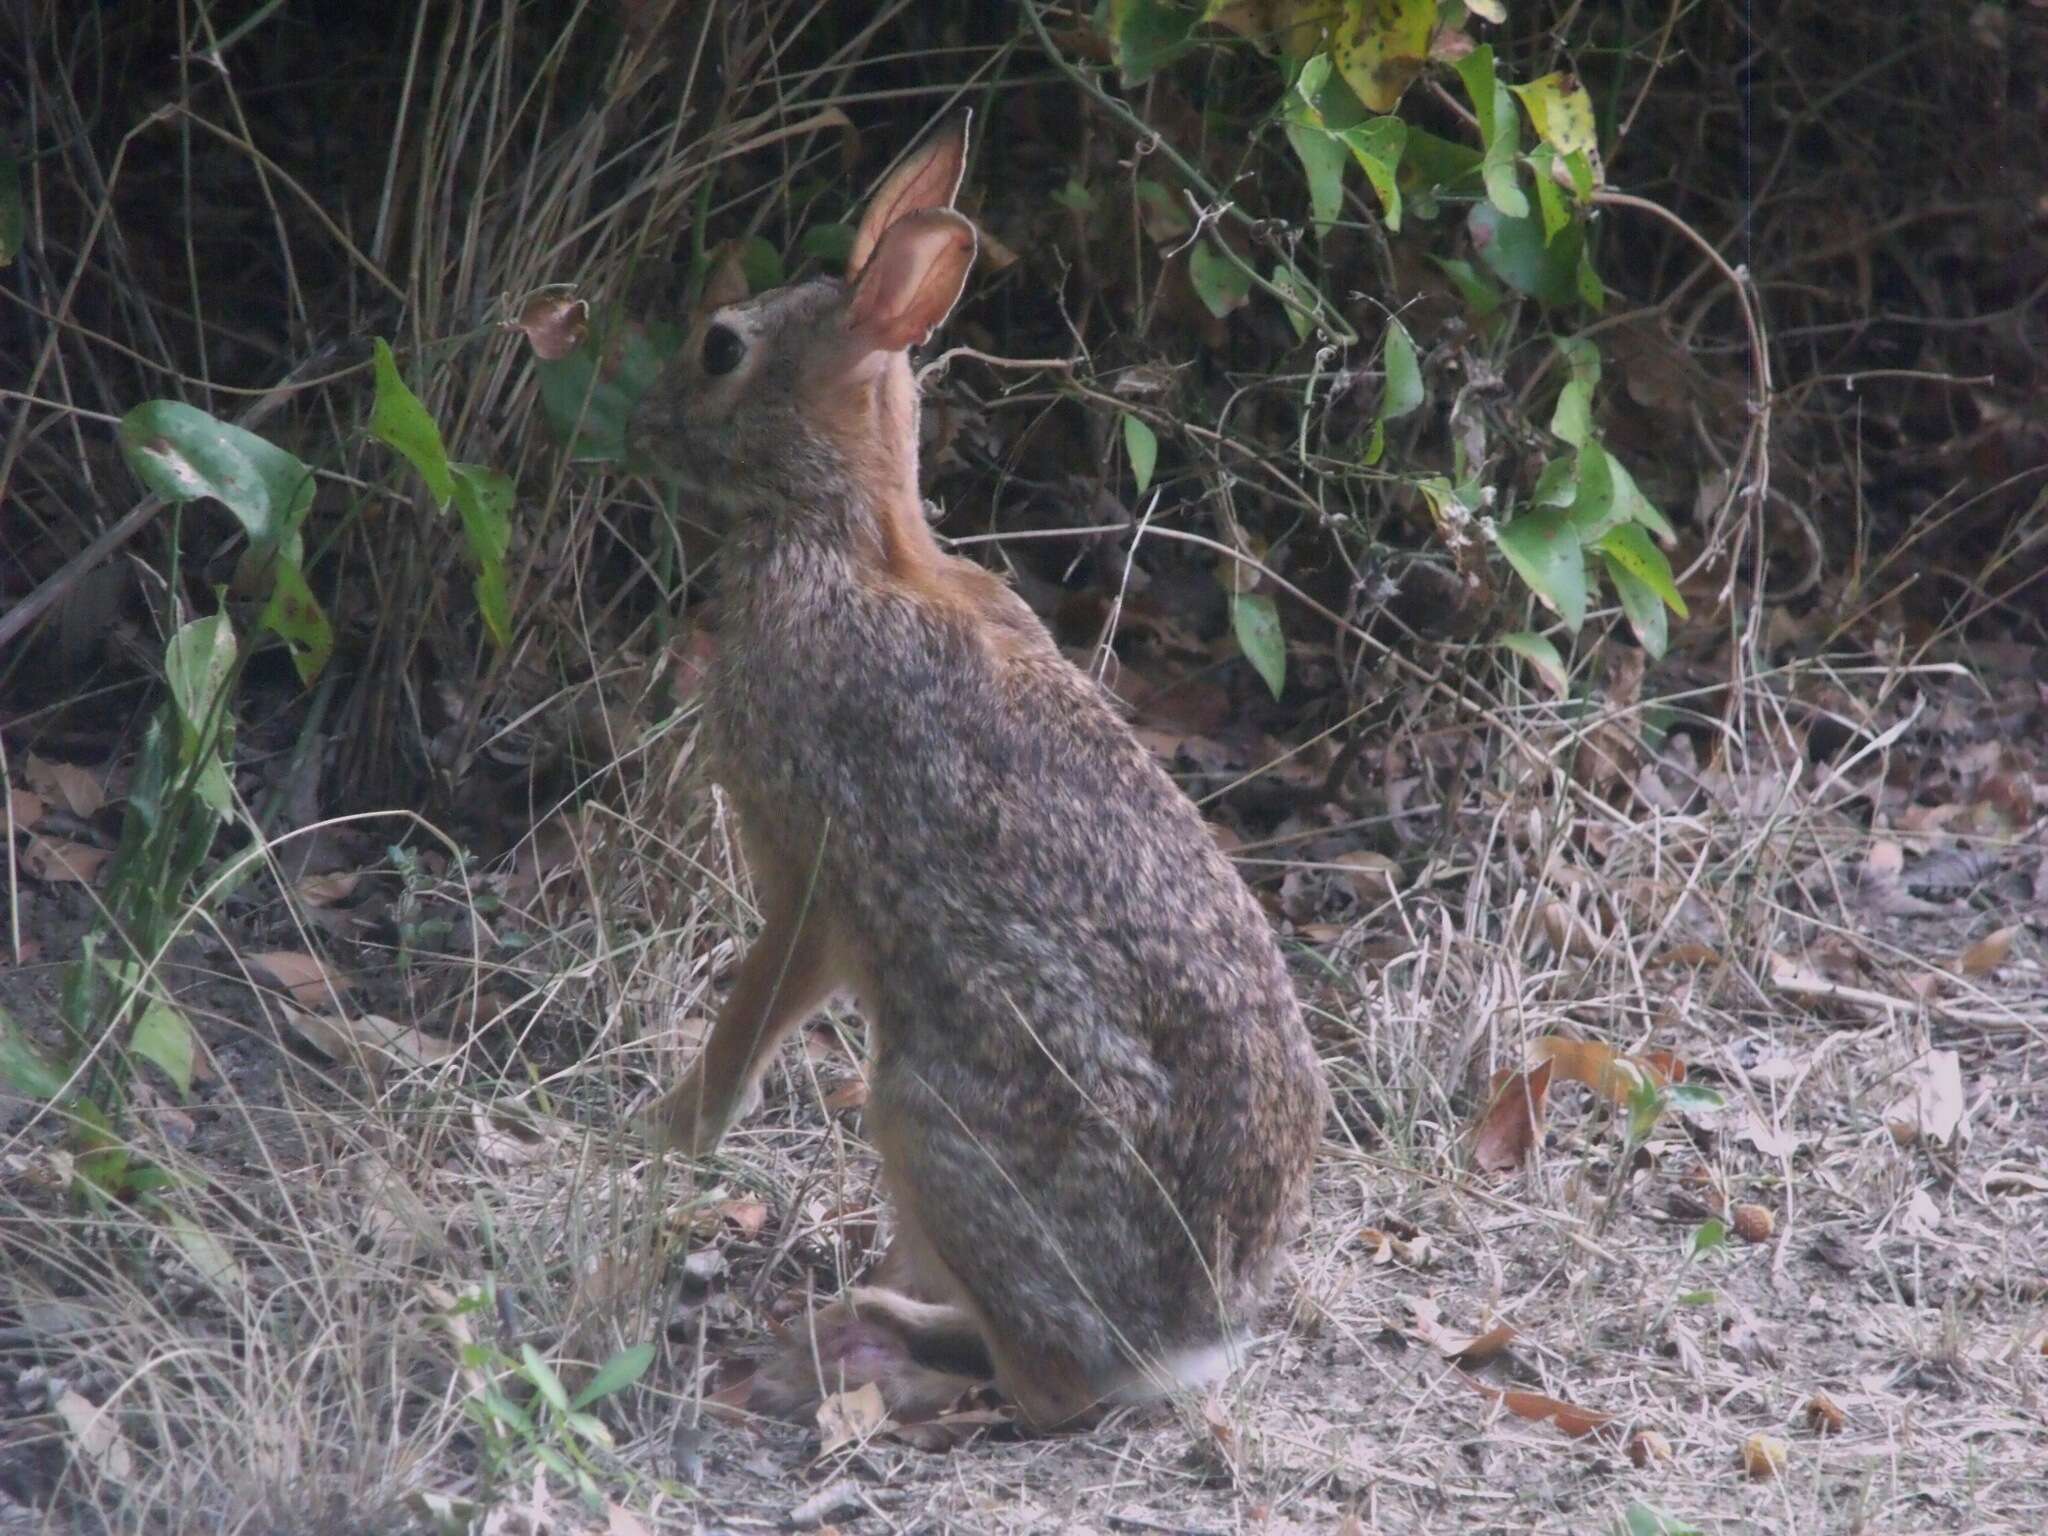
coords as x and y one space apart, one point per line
927 179
912 281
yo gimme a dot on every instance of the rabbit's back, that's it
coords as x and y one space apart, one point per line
1090 1066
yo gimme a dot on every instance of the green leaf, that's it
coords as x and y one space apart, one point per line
1630 547
295 616
1637 507
1693 1098
1147 34
1572 419
399 421
544 1379
183 454
1323 158
1550 205
1561 112
1474 287
1643 1520
590 1428
829 243
1380 47
1404 374
1304 305
1543 656
1516 251
1642 607
760 264
1593 510
1075 197
483 498
1586 282
1165 219
206 1253
1220 283
1256 620
1499 132
1378 146
591 416
13 213
1375 445
23 1066
1141 446
1434 167
1544 549
1706 1237
164 1036
505 1411
615 1375
1557 485
197 663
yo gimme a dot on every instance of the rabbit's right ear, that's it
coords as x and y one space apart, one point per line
928 177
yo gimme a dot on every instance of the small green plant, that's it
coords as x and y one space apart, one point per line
526 1416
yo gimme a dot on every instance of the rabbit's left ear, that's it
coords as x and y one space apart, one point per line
911 282
928 178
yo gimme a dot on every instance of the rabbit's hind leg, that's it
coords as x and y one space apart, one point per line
873 1337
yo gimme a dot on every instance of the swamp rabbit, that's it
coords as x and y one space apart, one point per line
1091 1088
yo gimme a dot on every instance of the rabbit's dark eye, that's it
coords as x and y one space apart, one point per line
723 350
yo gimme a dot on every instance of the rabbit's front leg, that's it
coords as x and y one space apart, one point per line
781 982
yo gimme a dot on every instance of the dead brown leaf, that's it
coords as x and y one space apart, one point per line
1932 1109
77 789
1763 1457
328 890
309 982
1603 1069
1988 953
369 1040
850 1418
1509 1130
554 321
1825 1415
59 861
1541 1408
25 808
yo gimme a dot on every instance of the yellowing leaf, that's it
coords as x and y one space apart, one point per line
1380 46
1561 112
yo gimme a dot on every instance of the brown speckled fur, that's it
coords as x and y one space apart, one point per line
1091 1087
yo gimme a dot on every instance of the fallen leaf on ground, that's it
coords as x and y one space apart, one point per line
1465 1348
369 1039
308 981
25 808
1763 1458
505 1138
77 789
1513 1121
1932 1108
98 1433
1604 1069
326 890
57 861
1825 1415
847 1418
1541 1408
1988 953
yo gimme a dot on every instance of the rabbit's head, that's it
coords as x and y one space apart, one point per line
802 398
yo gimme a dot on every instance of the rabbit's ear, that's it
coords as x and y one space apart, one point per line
927 178
912 281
